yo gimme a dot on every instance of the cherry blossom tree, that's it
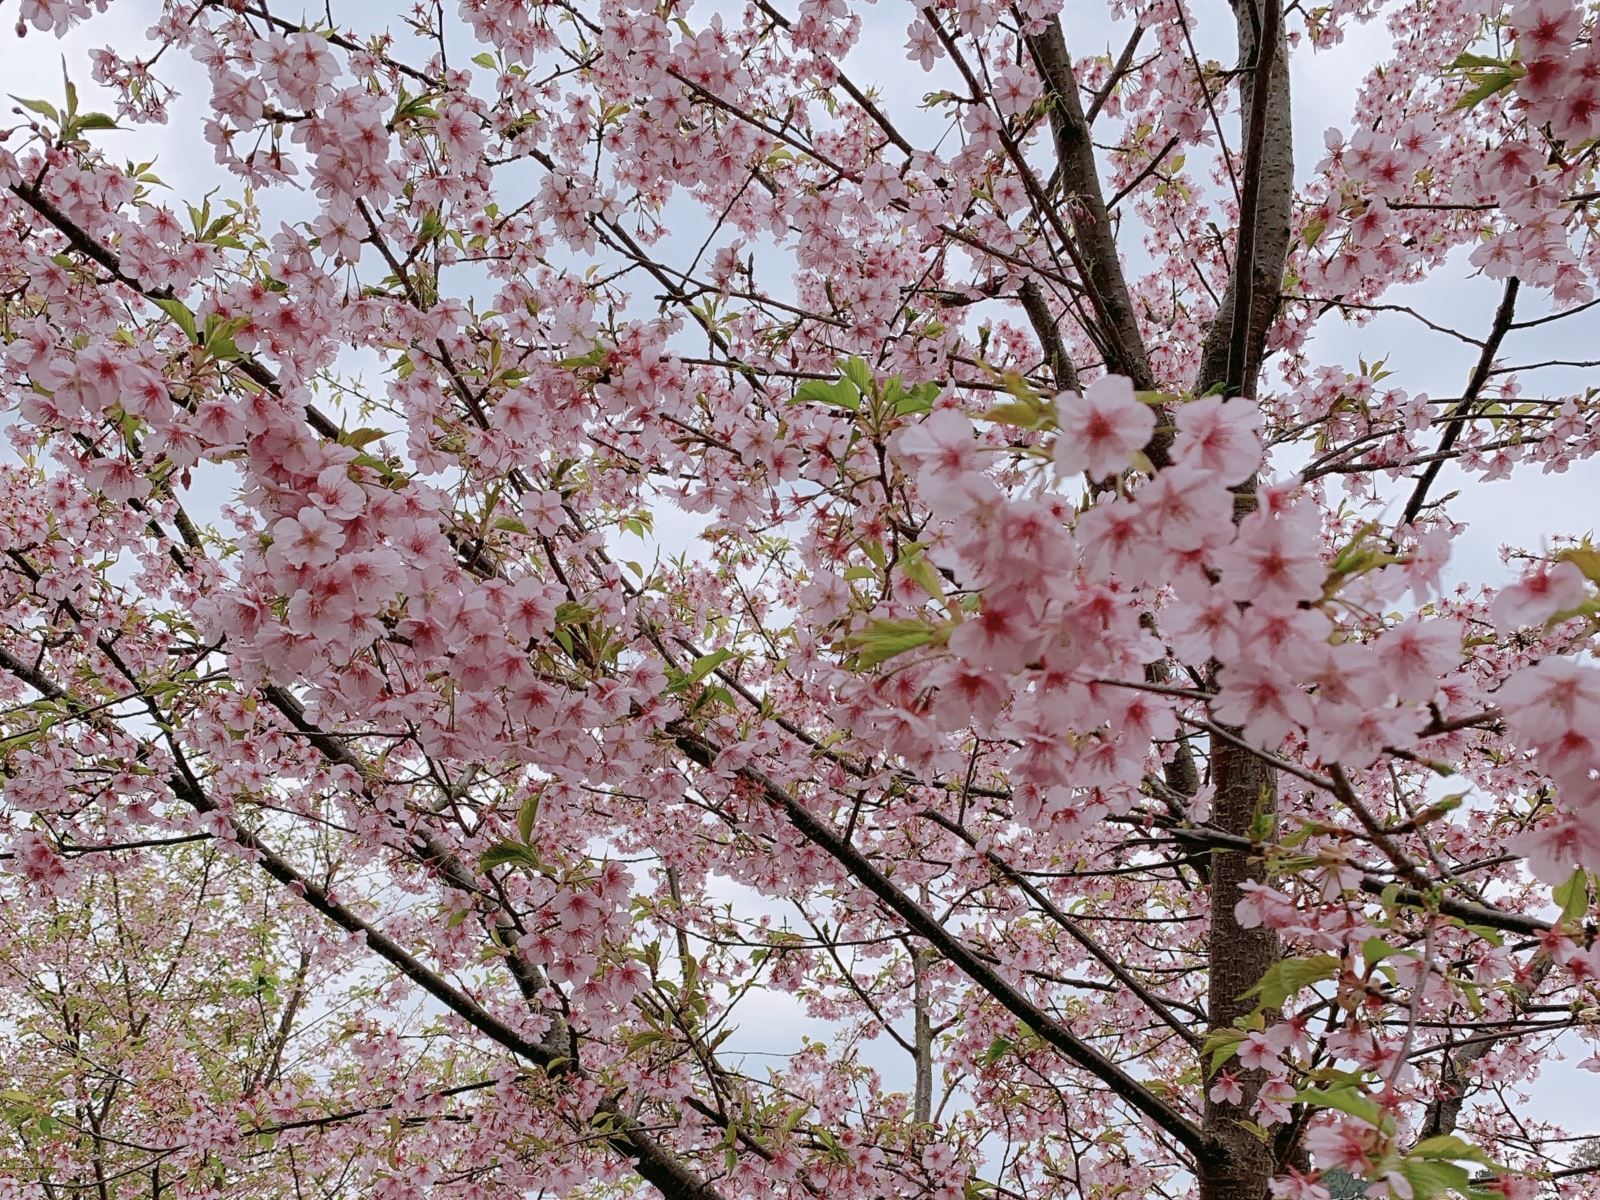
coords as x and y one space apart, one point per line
621 535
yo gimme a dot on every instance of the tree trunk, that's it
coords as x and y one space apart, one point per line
1246 796
922 1038
1245 789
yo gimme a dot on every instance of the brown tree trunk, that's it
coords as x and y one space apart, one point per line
1246 789
921 1038
1246 795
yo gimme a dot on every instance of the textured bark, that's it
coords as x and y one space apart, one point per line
1044 324
1232 1165
922 1038
1263 244
1246 788
1091 223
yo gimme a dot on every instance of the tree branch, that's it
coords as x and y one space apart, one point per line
1236 341
821 834
1480 375
1094 232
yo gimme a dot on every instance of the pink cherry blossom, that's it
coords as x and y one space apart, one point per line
574 627
1219 437
1295 1186
1273 560
1552 588
945 456
1102 429
1343 1143
308 539
1225 1089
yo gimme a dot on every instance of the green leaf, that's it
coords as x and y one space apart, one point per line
509 854
842 394
1448 1146
360 439
1586 558
179 312
918 400
1288 976
1222 1045
43 107
484 60
218 335
700 668
884 639
385 470
1429 1177
995 1051
431 227
1488 84
95 120
1572 897
527 815
1465 61
594 358
1024 414
571 612
915 566
713 696
1343 1098
1375 950
858 373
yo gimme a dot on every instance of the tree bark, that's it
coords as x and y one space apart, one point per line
1092 226
1246 789
922 1038
1246 795
1234 348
